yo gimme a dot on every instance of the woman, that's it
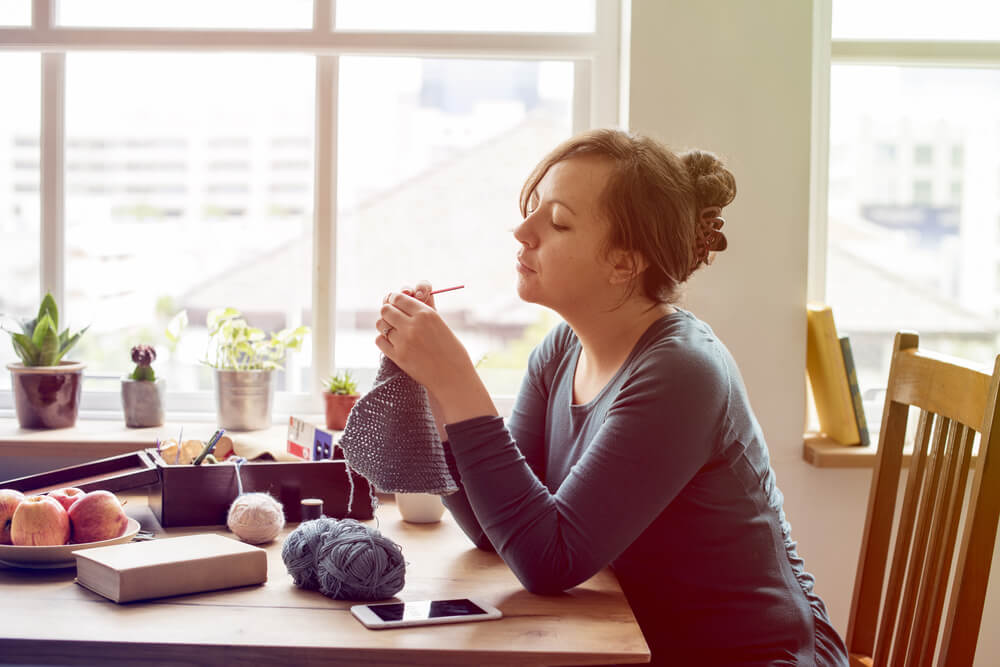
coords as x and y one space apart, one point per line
632 441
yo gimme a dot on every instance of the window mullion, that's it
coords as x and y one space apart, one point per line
325 219
42 12
819 179
53 147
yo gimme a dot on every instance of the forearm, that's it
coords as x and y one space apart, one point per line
461 396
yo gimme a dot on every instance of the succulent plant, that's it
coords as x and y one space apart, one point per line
41 343
341 384
143 356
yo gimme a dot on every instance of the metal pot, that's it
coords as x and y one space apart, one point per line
244 399
142 402
47 396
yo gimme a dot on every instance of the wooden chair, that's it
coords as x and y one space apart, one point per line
897 621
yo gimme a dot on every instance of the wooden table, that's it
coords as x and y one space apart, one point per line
46 618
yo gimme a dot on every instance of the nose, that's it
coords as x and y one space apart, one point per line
523 233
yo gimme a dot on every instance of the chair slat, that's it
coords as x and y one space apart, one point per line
935 559
951 518
904 534
918 550
965 605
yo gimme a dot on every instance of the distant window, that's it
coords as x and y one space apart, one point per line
957 156
923 154
922 191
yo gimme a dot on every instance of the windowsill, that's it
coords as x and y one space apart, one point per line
822 452
93 439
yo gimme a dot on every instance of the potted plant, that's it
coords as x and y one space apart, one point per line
46 388
142 391
341 394
244 359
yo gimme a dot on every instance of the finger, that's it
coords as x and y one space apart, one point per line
384 345
403 303
423 292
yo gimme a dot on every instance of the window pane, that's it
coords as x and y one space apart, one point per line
915 19
431 164
19 196
259 14
460 15
15 12
914 200
188 186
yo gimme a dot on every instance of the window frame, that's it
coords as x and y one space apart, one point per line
829 51
596 56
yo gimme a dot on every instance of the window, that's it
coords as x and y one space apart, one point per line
913 243
190 170
20 198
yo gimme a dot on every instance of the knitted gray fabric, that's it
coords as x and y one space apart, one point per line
391 439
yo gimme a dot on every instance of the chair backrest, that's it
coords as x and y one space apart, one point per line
897 621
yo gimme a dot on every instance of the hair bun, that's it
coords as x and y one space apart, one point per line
714 185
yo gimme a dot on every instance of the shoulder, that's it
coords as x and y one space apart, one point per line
681 353
559 341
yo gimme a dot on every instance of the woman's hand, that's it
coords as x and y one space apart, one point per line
414 336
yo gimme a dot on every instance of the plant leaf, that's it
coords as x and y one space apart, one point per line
47 343
176 326
48 307
42 330
28 326
24 348
69 344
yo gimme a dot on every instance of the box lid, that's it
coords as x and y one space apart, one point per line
115 473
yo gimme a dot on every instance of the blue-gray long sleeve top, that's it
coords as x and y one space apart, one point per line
665 476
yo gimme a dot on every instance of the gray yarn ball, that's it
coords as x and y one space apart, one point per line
344 560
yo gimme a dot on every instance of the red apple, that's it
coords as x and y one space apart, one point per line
67 496
9 500
39 521
97 516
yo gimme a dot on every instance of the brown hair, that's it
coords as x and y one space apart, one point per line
660 204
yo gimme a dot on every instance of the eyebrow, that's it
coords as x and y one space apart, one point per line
564 205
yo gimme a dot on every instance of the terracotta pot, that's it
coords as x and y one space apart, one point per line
142 402
47 396
338 407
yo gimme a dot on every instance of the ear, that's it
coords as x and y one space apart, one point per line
626 266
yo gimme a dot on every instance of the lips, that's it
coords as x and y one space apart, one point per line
522 267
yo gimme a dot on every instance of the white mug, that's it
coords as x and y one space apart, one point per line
420 507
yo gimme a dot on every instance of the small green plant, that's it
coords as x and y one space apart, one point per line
143 356
235 345
341 383
41 343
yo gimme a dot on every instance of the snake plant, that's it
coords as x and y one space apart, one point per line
41 343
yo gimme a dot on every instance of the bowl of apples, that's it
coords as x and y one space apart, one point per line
42 531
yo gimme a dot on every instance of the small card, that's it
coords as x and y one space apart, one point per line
308 441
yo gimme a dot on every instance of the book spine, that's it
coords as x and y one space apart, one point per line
852 381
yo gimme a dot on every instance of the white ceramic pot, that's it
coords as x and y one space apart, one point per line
142 402
420 507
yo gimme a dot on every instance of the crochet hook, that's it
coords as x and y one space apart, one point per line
447 289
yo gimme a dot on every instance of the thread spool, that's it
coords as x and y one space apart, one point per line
312 508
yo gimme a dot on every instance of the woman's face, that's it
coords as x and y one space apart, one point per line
562 263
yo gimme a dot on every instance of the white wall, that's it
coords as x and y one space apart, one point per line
734 78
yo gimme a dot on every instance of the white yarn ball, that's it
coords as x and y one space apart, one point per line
256 518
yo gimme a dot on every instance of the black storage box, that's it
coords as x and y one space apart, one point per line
189 495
